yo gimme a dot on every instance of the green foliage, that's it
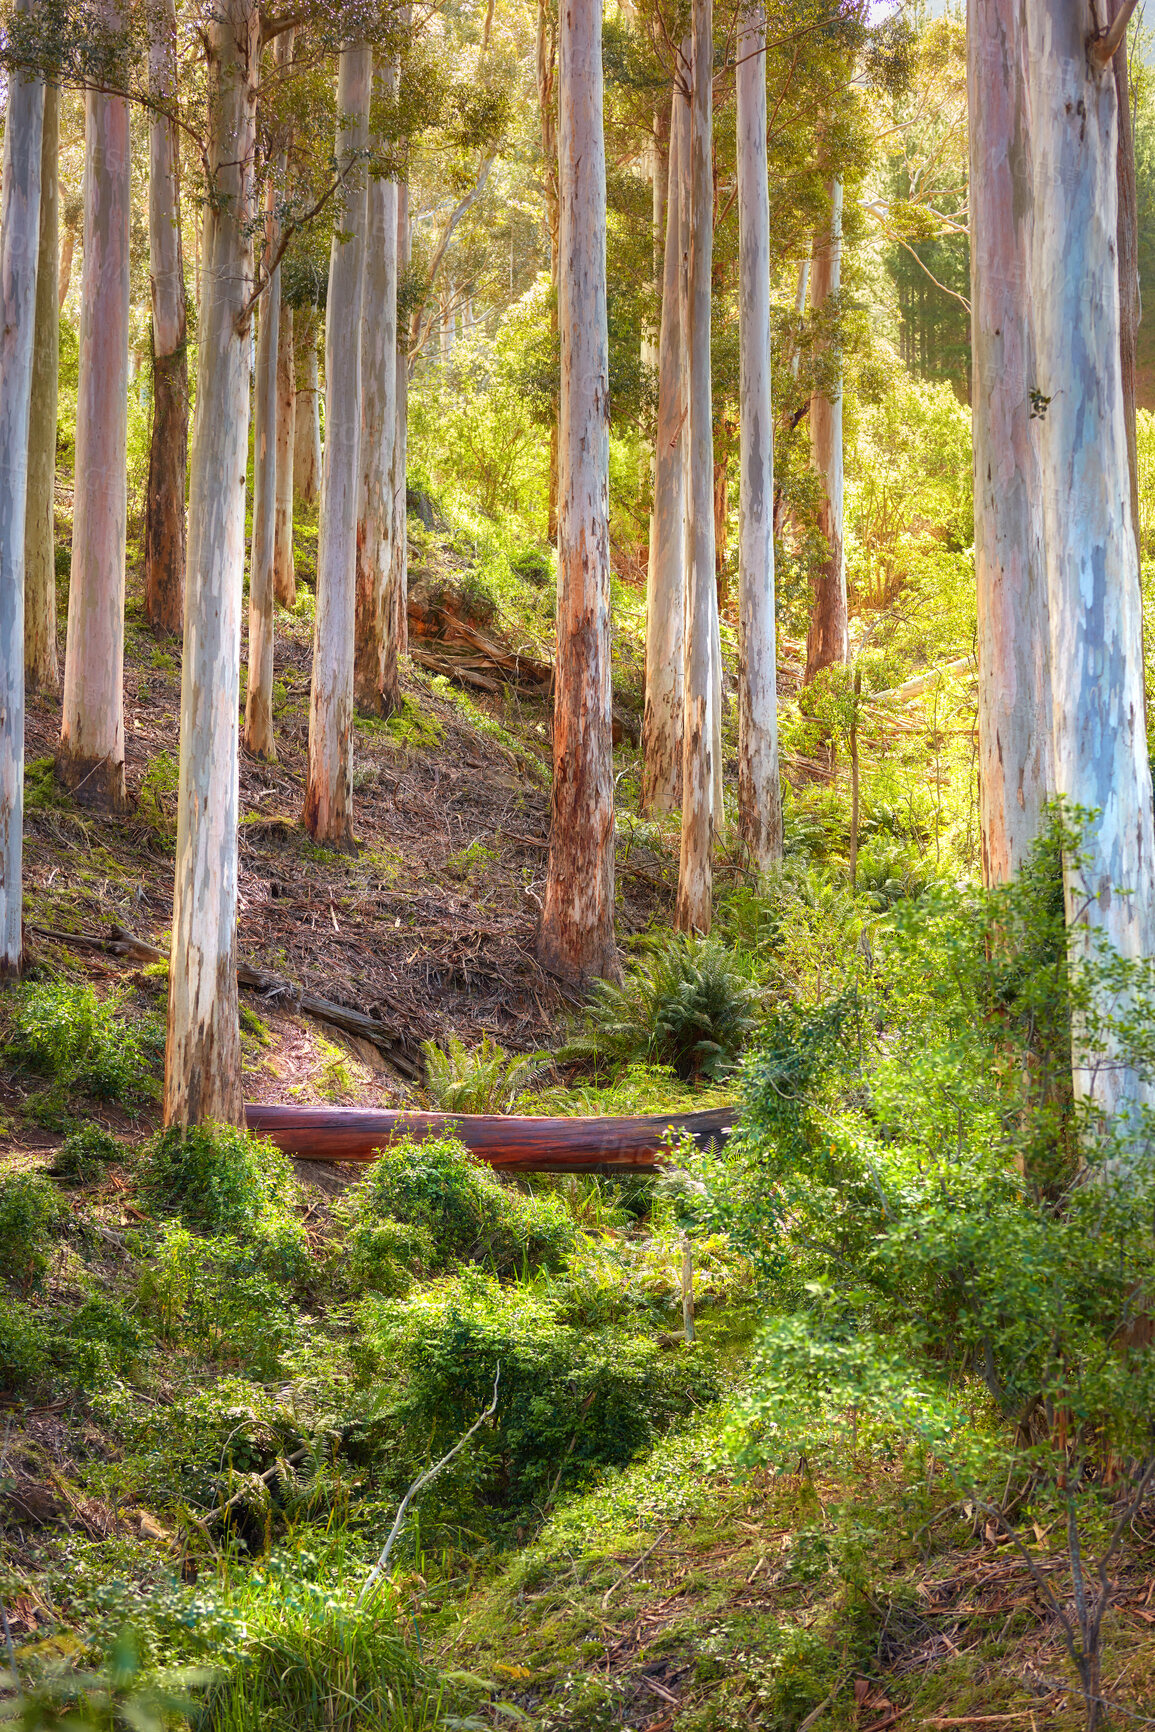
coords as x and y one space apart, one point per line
84 1154
158 791
217 1296
44 1351
31 1217
687 1005
431 1204
569 1399
118 1695
481 1079
217 1177
61 1030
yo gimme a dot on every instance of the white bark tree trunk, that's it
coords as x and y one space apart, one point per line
397 603
828 641
1016 774
259 695
665 598
164 549
306 410
1094 603
41 664
759 792
19 249
328 812
378 437
284 571
694 907
576 936
203 1059
91 755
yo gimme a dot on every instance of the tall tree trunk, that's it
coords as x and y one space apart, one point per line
64 279
665 598
19 248
828 640
546 75
203 1057
759 793
91 755
259 695
329 791
378 437
1093 595
164 529
397 605
41 665
306 410
1128 253
1016 774
284 572
693 911
576 936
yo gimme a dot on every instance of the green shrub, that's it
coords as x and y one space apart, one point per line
45 1353
532 565
30 1218
453 1207
61 1030
28 1351
217 1296
687 1006
482 1079
569 1399
85 1154
104 1339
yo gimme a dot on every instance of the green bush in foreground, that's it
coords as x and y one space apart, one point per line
61 1030
31 1217
219 1179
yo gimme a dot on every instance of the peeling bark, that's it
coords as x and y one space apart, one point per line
576 935
203 1058
693 910
665 600
41 664
828 640
328 814
19 249
759 792
259 693
1016 774
284 572
397 605
164 532
90 759
306 410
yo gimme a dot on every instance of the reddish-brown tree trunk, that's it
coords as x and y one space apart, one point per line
164 525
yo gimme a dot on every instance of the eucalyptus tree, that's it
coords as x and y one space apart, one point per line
164 532
19 251
90 759
759 793
259 691
284 569
828 640
306 408
41 664
328 813
576 933
1016 768
693 910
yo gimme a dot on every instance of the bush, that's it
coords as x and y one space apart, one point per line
81 1351
30 1218
63 1031
688 1006
569 1400
85 1154
485 1079
217 1296
451 1206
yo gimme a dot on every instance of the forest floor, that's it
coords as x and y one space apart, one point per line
677 1594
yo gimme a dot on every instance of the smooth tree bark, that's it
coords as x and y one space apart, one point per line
328 814
693 910
665 587
1016 764
41 664
1094 604
19 251
90 759
545 70
1127 231
397 603
164 529
374 624
284 570
203 1058
759 791
259 693
576 934
828 640
306 410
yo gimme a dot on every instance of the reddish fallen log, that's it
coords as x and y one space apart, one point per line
511 1143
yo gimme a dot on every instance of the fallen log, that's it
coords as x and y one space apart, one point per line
508 1142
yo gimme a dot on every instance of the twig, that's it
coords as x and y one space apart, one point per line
626 1574
379 1567
265 1478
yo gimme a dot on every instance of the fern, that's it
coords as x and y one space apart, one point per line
485 1079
